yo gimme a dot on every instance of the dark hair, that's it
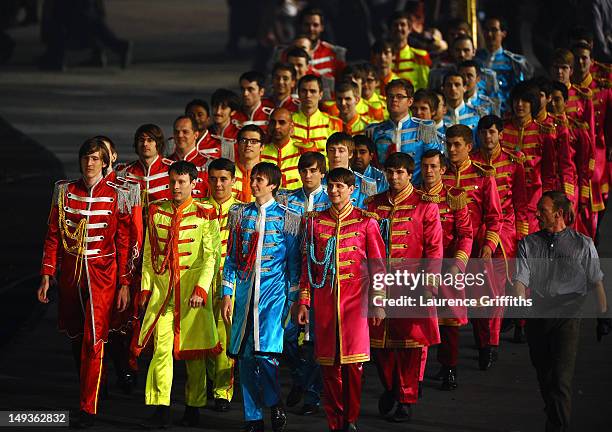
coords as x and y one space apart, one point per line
310 78
341 138
154 132
469 64
557 85
401 83
380 46
225 97
251 128
368 68
222 164
346 85
460 131
490 120
457 23
280 66
580 33
355 71
503 25
310 12
297 52
433 153
254 76
194 123
583 46
270 171
528 92
462 38
364 140
341 175
183 167
439 95
400 160
543 83
453 74
562 56
400 14
197 103
561 202
429 97
311 158
93 145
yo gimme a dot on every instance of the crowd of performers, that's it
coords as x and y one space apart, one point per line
246 245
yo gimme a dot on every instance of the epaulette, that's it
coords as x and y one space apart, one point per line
340 52
516 157
605 66
59 189
204 209
368 186
577 124
481 110
485 169
426 131
546 129
368 200
293 221
583 92
282 199
421 56
427 197
234 216
167 161
311 214
369 214
456 197
603 82
128 195
515 57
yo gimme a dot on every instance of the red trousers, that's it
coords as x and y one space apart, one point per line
486 331
91 366
448 350
399 371
423 363
342 393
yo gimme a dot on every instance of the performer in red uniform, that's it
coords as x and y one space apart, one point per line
284 81
255 109
411 230
344 252
88 244
225 106
327 59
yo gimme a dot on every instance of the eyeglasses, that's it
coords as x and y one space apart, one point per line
251 141
397 96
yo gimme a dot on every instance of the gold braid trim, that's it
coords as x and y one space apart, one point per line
78 235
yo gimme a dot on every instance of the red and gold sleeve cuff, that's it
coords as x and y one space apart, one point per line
461 259
492 240
522 227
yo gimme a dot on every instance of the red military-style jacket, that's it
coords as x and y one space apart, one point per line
411 230
259 117
537 142
562 164
510 179
340 304
201 162
227 138
327 59
290 103
153 180
90 243
208 145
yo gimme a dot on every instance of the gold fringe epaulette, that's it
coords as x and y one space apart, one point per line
370 214
546 129
583 92
456 197
311 214
432 198
577 124
516 157
603 82
368 200
486 170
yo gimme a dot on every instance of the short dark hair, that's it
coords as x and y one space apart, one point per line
368 68
281 66
561 202
543 84
401 83
269 171
460 131
184 167
562 56
400 160
503 25
154 132
311 158
225 97
528 92
251 128
580 33
557 85
583 46
341 175
364 140
194 123
400 14
433 153
429 97
297 52
469 64
355 71
92 145
451 75
380 46
310 78
489 121
254 76
312 11
341 138
197 103
462 38
346 85
223 164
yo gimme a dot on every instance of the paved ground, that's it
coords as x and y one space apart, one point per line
177 47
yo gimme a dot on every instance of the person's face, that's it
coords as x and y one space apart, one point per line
455 32
557 102
251 93
521 108
400 29
310 95
471 78
582 60
463 50
300 64
398 178
220 183
184 135
282 82
362 158
489 138
561 72
92 165
181 186
222 114
338 156
494 36
312 27
339 193
398 102
261 187
347 103
201 116
432 171
458 149
280 126
421 109
303 43
311 177
546 214
441 111
146 147
454 89
370 85
543 100
383 59
249 146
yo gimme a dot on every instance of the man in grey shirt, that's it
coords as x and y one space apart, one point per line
559 266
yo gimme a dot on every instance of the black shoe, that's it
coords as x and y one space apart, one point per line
222 405
486 357
278 418
403 413
519 335
126 54
191 417
309 409
159 420
449 382
420 390
127 381
351 427
84 420
253 426
295 396
386 402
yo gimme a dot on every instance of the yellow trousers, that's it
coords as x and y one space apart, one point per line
220 368
159 376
